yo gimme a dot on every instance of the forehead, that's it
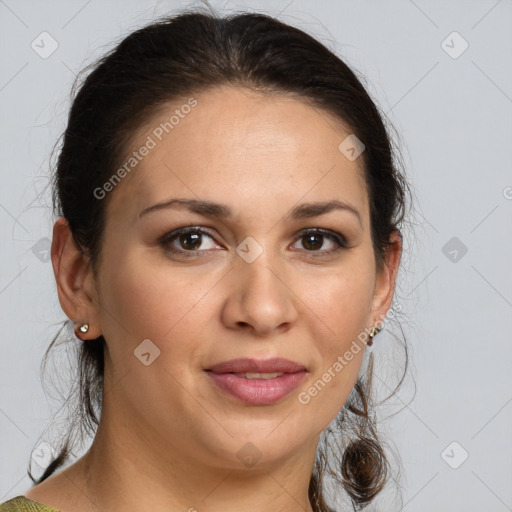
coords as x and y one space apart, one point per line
240 147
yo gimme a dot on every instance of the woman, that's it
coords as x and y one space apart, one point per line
227 244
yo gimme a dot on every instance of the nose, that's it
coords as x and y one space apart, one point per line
260 299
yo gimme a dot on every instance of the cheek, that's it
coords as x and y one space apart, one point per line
141 300
341 302
340 312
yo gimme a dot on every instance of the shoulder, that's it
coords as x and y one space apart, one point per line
23 504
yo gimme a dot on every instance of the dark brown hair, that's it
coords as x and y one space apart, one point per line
189 53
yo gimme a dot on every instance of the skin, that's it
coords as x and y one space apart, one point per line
168 437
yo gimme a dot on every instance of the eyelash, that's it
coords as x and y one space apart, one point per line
167 239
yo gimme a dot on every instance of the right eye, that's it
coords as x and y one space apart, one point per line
189 238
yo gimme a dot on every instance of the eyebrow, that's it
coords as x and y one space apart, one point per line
218 210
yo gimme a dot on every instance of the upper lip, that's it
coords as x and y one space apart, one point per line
276 364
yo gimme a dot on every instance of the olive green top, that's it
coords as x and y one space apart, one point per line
22 504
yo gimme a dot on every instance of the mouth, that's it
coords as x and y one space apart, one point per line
257 382
246 365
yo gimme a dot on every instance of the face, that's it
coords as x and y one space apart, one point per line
266 275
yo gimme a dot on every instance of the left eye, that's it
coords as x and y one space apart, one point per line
313 239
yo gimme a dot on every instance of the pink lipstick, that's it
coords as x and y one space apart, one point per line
258 382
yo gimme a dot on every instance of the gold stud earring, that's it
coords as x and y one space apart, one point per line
374 331
82 328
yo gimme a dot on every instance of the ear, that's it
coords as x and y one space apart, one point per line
75 280
386 279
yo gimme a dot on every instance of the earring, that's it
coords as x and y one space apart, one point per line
374 331
83 329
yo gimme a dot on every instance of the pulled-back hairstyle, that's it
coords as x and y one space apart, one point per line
178 56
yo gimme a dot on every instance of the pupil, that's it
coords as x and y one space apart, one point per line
310 241
187 236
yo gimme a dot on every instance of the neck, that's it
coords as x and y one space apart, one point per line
135 469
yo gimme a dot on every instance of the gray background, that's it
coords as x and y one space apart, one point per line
454 116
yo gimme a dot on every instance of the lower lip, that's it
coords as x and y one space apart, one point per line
258 391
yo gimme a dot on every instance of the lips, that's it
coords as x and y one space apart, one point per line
257 382
276 364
